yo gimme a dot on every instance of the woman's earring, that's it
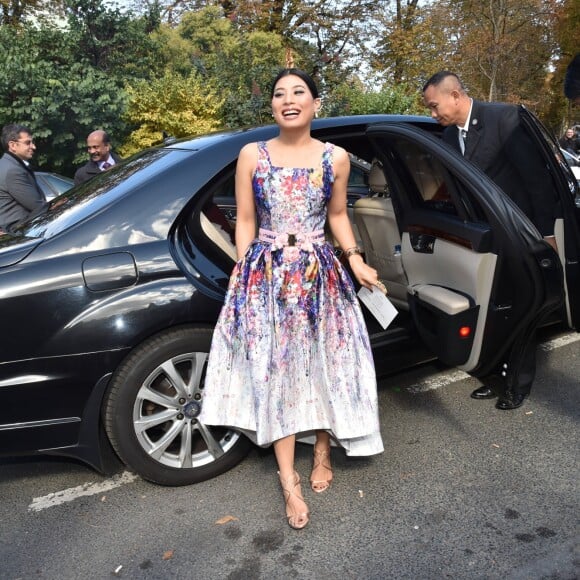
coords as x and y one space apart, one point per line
316 114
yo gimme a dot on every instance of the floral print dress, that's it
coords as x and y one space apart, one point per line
290 352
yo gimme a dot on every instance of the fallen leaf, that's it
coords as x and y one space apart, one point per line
104 498
168 554
226 519
495 445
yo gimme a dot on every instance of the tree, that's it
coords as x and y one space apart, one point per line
353 98
325 37
114 41
239 64
501 48
398 44
18 12
176 105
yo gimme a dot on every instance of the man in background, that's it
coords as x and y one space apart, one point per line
20 195
570 142
101 157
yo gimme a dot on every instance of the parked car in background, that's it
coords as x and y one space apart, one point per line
109 299
574 163
52 184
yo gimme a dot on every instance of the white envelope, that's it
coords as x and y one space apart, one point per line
379 305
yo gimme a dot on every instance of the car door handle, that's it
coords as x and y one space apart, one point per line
422 243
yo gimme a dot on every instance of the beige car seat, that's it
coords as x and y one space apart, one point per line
375 219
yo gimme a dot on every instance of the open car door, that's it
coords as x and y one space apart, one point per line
567 227
479 276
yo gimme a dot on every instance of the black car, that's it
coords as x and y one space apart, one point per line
110 298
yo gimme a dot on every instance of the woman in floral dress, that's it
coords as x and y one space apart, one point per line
290 355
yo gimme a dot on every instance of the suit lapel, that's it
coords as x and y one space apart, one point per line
474 132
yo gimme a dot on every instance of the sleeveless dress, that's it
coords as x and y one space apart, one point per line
290 353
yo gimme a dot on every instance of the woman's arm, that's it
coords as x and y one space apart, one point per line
245 207
339 222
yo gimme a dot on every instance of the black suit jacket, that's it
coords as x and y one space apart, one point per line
90 169
500 146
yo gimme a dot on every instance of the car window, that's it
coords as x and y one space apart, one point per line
80 202
211 221
58 184
358 176
560 156
427 183
429 180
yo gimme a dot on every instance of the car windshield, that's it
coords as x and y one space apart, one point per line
77 203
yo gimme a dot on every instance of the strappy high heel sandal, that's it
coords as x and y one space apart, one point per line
321 459
296 521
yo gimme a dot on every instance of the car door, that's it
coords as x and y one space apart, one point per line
567 228
480 277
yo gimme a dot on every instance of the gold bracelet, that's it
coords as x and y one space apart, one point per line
352 251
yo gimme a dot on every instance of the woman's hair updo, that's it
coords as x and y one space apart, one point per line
285 72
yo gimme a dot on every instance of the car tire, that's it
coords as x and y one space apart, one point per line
151 409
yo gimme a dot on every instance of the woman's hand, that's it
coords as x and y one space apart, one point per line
365 274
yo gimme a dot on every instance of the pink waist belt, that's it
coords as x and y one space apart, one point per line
303 240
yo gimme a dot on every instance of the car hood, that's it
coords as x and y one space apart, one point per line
14 248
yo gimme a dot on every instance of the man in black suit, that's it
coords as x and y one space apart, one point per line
20 195
101 157
492 137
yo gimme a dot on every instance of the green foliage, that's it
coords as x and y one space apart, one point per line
115 42
356 100
173 49
15 12
179 106
241 65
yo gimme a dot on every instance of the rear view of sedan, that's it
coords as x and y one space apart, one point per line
109 300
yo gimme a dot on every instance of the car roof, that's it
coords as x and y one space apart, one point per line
266 131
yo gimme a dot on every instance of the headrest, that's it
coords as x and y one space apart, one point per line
377 181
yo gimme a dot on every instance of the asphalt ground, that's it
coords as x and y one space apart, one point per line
462 491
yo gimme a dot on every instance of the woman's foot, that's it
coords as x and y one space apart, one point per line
321 476
296 508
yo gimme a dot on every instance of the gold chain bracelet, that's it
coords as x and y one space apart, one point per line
353 251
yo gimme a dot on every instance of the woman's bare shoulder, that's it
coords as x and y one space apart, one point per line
249 150
339 154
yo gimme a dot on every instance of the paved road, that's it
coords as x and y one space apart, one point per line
462 491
